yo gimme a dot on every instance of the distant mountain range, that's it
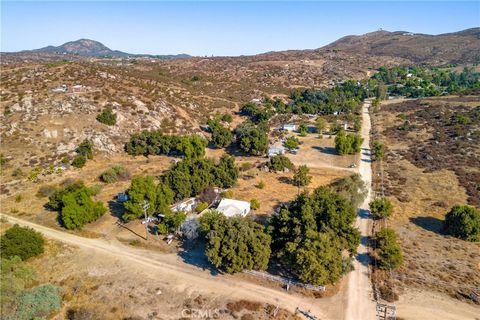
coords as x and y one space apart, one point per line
92 48
415 48
455 47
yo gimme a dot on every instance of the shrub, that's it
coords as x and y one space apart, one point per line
227 194
21 241
246 166
114 174
291 143
107 117
254 204
260 185
463 222
16 276
227 118
381 208
378 150
79 161
39 302
279 163
85 148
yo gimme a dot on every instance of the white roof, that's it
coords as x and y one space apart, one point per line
230 207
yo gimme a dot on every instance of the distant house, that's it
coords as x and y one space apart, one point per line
273 151
289 127
186 205
231 208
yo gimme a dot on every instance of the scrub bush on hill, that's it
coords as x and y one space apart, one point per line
107 117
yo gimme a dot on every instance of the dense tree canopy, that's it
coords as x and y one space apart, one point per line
221 136
76 205
350 143
22 242
251 138
390 253
235 244
463 222
352 188
279 163
143 189
309 235
381 208
189 177
156 143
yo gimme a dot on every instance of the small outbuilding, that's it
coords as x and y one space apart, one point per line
231 207
185 206
289 127
273 151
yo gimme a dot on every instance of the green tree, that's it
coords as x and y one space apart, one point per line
235 244
76 205
352 188
320 125
172 221
463 222
251 138
303 130
348 143
378 150
279 163
390 253
301 177
309 235
22 242
381 92
221 136
381 208
291 143
142 189
107 117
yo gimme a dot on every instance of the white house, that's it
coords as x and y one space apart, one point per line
289 127
231 208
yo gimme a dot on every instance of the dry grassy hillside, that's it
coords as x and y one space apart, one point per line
431 164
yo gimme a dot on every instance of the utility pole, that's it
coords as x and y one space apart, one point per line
146 205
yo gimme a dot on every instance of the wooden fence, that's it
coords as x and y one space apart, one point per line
285 281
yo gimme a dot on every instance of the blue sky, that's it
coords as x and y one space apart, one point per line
220 28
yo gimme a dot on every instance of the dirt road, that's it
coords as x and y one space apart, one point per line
180 276
360 304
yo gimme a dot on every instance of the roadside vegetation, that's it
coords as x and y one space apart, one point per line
21 297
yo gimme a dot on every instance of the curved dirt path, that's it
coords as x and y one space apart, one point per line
360 303
179 275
